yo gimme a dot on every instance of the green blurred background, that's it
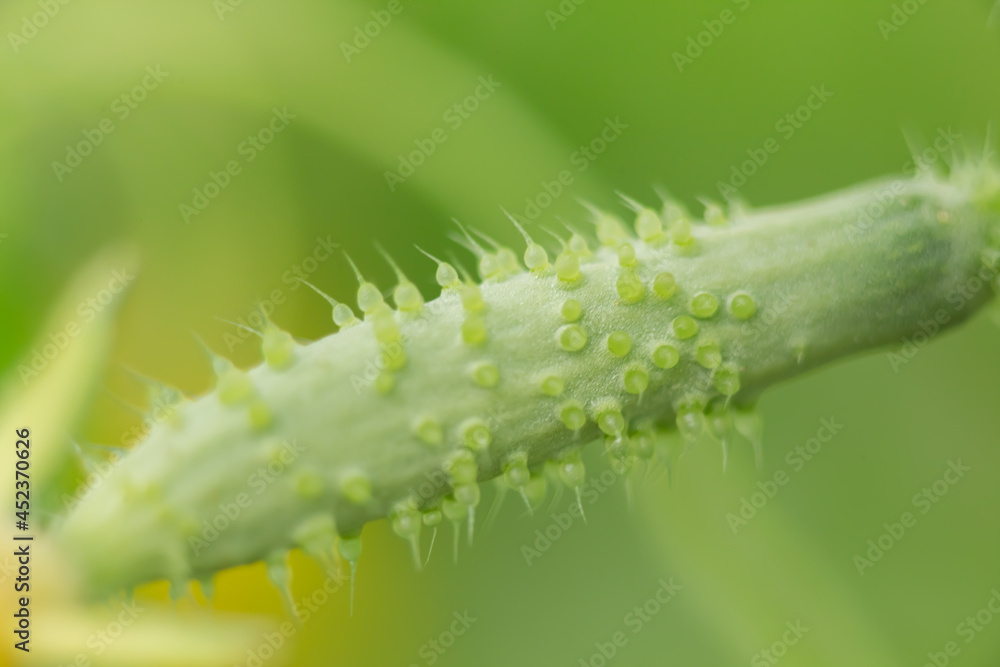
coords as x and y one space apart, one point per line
230 64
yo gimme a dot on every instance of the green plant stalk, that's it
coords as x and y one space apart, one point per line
463 394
